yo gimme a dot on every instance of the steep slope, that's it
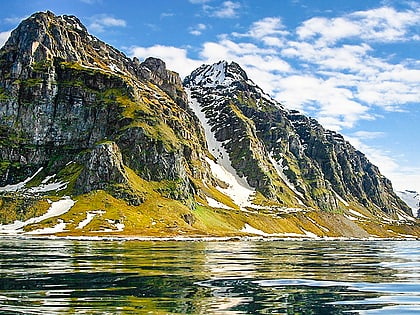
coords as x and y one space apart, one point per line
412 198
283 154
78 115
95 143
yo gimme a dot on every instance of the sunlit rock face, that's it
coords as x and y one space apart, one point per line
281 151
79 118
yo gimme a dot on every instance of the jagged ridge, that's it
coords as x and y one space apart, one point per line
121 137
319 166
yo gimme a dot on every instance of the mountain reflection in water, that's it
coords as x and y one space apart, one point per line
234 277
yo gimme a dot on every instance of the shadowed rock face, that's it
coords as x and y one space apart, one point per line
68 98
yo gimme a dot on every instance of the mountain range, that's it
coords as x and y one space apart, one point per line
95 143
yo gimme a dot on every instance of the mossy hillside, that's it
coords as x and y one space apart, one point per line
160 216
14 207
154 216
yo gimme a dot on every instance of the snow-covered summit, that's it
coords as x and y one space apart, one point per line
223 78
221 73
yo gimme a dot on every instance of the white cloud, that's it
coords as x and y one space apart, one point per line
166 15
267 26
386 24
14 20
337 82
328 68
269 30
4 36
329 30
103 21
383 24
367 135
228 9
198 29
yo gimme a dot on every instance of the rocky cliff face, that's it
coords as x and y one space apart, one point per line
282 152
63 92
139 153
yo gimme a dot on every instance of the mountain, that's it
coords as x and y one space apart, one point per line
412 198
95 143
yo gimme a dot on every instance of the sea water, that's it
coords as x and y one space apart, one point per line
64 276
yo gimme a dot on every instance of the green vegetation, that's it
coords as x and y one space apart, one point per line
14 207
69 174
32 82
4 95
42 66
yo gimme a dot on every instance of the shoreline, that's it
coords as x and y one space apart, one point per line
201 238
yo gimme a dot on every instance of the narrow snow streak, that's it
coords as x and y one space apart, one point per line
216 204
341 198
280 171
238 189
89 218
18 186
251 230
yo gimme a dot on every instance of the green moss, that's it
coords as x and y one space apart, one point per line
14 207
248 101
69 174
4 165
4 95
11 138
31 82
42 66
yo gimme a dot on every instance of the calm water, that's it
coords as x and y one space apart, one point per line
242 277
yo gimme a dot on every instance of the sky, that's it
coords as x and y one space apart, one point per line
352 65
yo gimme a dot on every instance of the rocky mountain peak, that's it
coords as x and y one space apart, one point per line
78 119
316 166
218 74
44 38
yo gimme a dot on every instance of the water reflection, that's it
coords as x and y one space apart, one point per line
247 277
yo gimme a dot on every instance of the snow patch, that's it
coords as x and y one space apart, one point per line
216 204
402 216
341 198
48 187
309 234
240 194
211 76
238 189
59 227
351 217
89 218
19 186
318 225
43 187
251 230
357 214
57 208
280 171
412 199
117 224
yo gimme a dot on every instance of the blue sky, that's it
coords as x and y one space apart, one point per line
353 65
